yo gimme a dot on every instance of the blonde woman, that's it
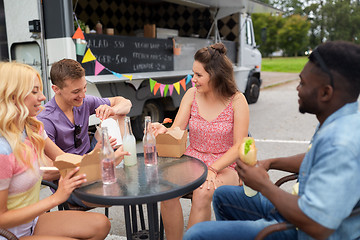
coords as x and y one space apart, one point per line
218 118
22 143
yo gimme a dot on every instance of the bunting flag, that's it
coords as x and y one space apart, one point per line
193 84
177 87
182 82
156 88
188 79
162 87
128 76
166 90
88 57
117 74
171 88
152 84
78 34
98 68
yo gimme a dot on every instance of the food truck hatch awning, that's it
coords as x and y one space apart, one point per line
228 7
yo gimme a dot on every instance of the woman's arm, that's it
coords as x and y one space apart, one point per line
51 149
15 217
182 116
241 126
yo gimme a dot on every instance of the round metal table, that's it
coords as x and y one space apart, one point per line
140 184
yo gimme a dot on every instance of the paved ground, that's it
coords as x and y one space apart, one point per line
270 79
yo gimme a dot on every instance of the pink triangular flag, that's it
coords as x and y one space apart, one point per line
98 68
162 87
171 88
193 84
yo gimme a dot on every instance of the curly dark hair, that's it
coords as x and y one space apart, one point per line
65 69
219 66
340 58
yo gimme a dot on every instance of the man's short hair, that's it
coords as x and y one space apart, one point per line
65 69
342 58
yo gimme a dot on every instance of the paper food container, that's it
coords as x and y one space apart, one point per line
89 164
113 129
172 143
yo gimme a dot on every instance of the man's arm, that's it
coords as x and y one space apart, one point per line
118 108
120 105
288 164
287 204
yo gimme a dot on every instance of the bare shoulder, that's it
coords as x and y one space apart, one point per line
239 101
189 95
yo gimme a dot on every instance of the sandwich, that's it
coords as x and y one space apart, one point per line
247 151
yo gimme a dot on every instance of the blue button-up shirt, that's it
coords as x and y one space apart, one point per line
329 176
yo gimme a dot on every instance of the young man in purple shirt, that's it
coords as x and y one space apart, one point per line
66 115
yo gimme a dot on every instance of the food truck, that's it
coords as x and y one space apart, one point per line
142 49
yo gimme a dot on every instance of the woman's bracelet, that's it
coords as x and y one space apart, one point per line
213 170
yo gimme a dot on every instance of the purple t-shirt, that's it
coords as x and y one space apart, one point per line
61 131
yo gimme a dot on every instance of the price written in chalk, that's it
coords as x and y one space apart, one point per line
131 54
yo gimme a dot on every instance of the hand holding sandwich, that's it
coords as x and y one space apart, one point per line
248 169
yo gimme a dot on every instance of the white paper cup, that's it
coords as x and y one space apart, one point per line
249 191
113 129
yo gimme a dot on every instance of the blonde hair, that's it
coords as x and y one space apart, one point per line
17 82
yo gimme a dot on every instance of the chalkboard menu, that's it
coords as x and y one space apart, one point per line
125 54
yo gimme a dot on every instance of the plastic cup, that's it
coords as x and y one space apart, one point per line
249 191
80 47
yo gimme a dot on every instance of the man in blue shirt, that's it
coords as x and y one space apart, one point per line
329 173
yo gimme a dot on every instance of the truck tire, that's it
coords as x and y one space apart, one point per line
252 90
151 108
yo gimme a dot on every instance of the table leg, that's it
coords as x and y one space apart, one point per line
142 219
134 219
127 222
153 220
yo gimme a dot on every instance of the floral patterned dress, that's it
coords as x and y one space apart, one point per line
210 140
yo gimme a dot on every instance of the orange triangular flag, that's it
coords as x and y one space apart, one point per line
78 34
88 56
182 82
156 88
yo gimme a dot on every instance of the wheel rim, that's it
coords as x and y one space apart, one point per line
151 110
254 91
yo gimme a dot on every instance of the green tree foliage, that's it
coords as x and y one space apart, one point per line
329 20
272 24
342 20
293 36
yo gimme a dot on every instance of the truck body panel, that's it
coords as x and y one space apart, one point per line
39 33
